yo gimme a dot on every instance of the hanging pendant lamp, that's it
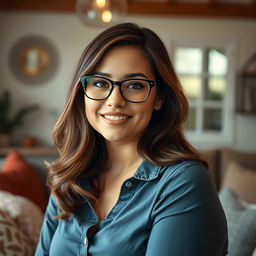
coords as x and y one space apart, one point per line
101 13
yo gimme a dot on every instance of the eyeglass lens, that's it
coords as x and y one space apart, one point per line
132 90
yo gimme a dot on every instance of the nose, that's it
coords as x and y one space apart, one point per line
115 99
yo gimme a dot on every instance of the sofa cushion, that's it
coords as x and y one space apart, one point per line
245 159
25 213
241 223
12 240
20 178
242 181
212 158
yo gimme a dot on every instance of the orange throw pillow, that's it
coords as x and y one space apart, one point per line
20 178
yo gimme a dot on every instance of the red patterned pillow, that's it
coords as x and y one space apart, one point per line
20 178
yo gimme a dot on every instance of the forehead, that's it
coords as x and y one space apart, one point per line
125 59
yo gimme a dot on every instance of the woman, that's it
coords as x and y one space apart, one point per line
126 181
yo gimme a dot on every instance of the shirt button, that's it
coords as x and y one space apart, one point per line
85 241
128 184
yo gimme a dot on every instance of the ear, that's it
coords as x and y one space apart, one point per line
158 103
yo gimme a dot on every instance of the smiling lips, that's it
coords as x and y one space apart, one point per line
116 118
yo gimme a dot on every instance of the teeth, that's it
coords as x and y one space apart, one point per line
116 117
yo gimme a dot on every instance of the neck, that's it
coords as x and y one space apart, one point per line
123 157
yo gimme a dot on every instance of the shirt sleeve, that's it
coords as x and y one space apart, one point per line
188 218
48 228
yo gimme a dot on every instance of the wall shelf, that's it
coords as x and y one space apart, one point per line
35 151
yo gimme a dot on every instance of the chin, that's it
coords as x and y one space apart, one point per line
114 140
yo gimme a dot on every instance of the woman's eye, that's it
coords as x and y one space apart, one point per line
135 86
101 84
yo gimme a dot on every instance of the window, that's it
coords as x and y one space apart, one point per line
207 79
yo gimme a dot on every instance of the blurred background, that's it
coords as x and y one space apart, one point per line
212 44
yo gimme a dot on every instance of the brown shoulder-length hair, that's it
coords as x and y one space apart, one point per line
82 151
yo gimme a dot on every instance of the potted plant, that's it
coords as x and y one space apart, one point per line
7 123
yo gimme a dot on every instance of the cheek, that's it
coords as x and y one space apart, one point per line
151 106
90 112
146 114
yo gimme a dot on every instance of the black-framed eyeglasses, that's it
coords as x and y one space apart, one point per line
134 90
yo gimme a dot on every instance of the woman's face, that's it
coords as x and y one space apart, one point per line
117 120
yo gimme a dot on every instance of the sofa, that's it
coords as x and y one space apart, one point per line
219 161
234 174
23 196
23 200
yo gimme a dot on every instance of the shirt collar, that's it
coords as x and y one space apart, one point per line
147 171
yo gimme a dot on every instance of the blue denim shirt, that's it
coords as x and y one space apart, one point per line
161 211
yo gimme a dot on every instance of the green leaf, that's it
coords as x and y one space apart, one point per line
8 124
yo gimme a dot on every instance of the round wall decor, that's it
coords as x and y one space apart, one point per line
33 59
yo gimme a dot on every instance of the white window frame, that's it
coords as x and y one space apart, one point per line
225 137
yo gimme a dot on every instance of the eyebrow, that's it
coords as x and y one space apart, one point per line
129 75
101 74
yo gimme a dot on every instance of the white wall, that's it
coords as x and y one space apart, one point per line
70 37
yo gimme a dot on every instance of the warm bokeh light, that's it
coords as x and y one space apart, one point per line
101 3
101 13
106 16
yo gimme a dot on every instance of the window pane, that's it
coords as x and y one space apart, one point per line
188 60
215 89
191 121
191 85
212 119
217 62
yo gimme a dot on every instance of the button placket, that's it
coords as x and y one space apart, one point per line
85 241
83 247
128 184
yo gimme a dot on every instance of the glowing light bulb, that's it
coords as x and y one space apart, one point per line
106 16
101 3
101 12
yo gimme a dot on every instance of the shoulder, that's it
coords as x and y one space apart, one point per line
52 208
190 179
185 171
186 186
